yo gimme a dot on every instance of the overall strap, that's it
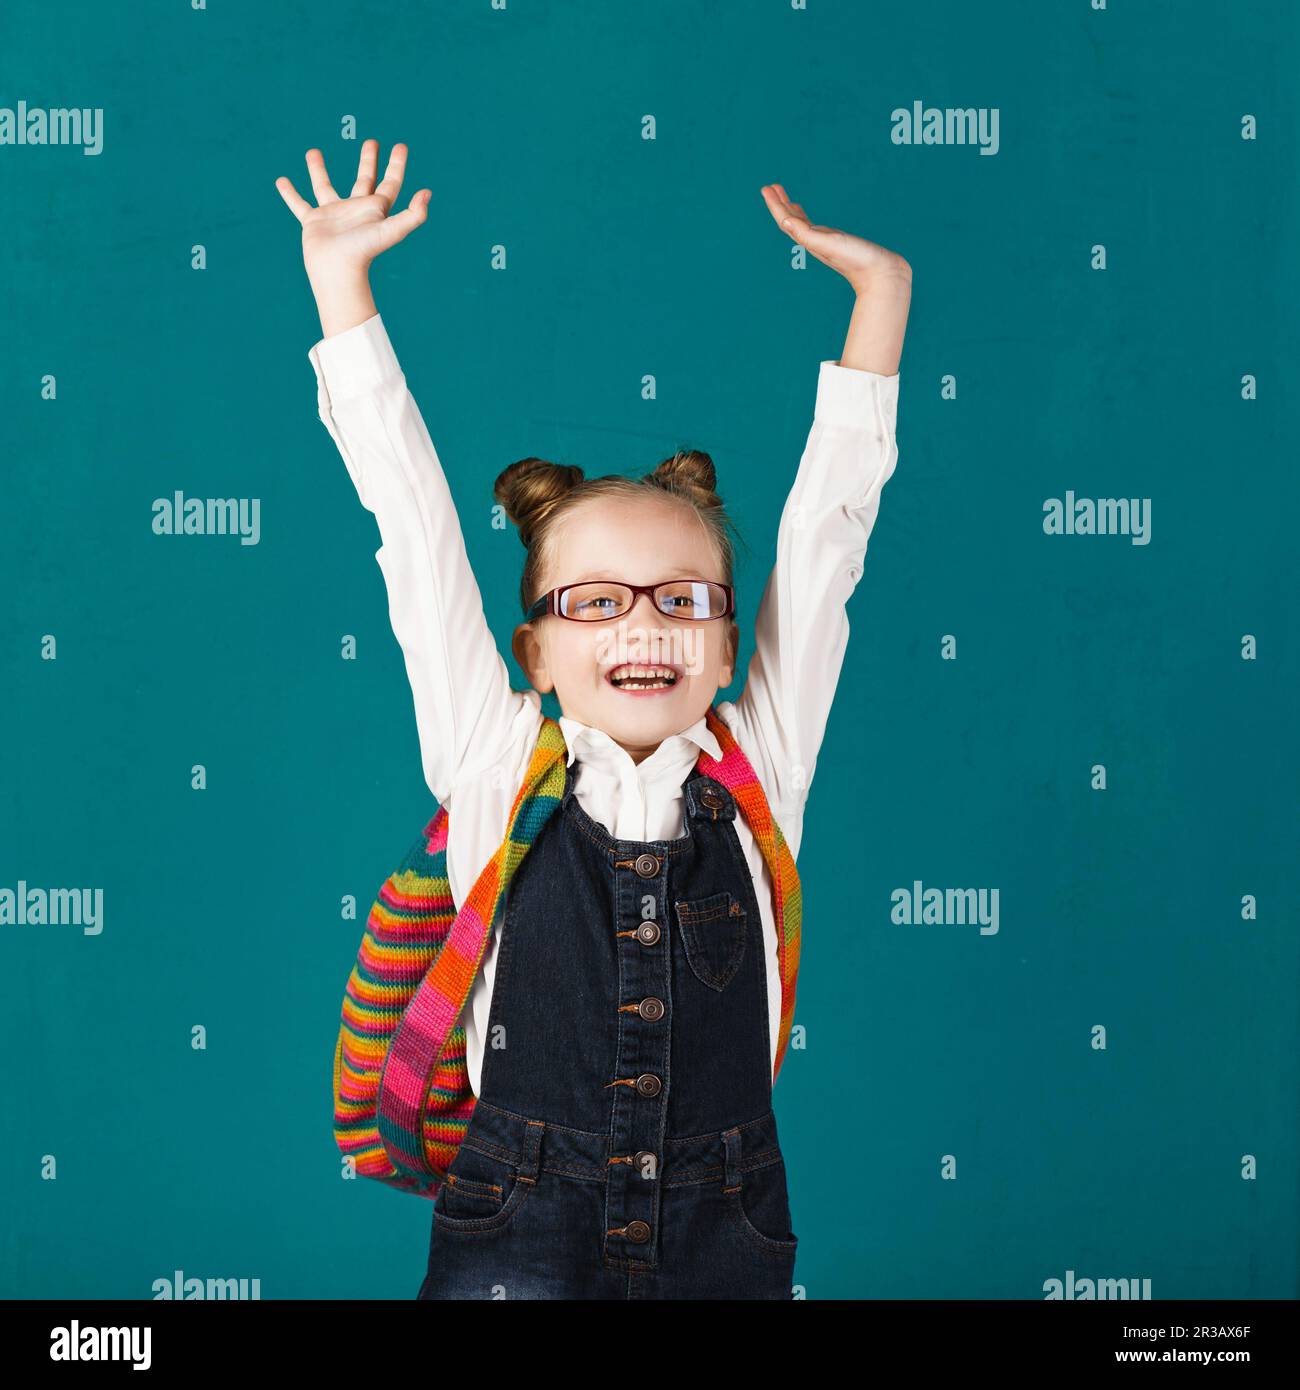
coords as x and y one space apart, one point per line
431 1016
736 773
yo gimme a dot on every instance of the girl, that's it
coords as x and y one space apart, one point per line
624 1018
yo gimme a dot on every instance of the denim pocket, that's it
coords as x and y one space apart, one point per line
760 1206
713 931
481 1192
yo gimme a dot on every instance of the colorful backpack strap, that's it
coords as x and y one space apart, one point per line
736 773
413 1088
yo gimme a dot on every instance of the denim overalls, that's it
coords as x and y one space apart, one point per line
623 1144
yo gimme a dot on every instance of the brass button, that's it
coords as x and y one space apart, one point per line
646 865
648 933
712 798
637 1232
651 1008
647 1166
648 1084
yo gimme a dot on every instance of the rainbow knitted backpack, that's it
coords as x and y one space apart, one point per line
402 1099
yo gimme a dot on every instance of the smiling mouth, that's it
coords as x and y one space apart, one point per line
634 676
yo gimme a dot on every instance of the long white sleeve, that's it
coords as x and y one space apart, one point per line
802 628
465 708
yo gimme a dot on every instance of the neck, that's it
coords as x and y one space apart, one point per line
636 753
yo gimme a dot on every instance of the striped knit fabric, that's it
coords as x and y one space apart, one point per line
402 1100
736 774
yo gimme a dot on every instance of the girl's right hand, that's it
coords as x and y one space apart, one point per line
341 236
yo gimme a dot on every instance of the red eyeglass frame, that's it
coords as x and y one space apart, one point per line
550 601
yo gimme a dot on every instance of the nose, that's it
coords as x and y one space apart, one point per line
649 642
647 599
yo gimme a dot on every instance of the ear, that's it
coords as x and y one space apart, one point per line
529 654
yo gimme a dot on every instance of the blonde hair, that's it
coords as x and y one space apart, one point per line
536 494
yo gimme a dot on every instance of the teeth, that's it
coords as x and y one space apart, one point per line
634 677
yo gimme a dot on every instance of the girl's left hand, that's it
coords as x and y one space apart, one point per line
861 262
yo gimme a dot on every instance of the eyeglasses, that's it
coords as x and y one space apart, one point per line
599 600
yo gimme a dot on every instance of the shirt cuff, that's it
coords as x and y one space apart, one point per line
850 396
353 362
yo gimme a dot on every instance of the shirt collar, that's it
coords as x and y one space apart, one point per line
597 745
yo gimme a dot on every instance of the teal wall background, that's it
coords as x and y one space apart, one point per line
1120 908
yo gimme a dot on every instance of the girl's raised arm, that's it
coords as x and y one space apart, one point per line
464 705
802 628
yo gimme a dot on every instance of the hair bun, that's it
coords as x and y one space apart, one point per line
690 472
530 489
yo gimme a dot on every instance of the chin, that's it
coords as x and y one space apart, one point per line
653 717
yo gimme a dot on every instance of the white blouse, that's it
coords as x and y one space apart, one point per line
477 733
